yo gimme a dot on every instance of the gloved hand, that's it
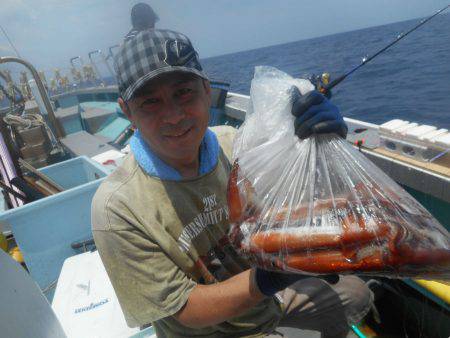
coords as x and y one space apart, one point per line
270 282
315 114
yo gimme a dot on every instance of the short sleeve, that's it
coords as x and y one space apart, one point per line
148 285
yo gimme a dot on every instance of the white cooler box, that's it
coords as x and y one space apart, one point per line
85 302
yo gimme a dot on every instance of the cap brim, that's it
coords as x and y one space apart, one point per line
141 82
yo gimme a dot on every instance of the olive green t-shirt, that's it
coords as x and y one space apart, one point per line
159 238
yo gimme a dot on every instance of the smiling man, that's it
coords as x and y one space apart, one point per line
175 137
160 221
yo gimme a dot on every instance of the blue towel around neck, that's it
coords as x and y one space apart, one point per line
154 166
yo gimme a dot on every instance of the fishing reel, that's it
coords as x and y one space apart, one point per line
320 83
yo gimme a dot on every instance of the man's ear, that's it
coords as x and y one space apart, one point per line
126 110
124 106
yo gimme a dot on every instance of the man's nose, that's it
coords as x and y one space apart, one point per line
174 112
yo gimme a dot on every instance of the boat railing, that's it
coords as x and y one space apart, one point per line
72 61
111 54
42 92
94 65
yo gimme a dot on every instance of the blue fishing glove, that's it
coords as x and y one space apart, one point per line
315 114
270 282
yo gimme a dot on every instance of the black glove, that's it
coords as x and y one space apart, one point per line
315 114
270 282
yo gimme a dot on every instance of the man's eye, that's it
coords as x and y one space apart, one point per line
149 102
184 91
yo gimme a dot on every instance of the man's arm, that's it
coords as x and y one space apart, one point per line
235 296
212 304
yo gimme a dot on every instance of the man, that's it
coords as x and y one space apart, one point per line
160 221
142 17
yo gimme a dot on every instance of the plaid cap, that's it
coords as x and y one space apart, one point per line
152 52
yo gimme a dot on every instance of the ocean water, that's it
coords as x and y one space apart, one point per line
410 81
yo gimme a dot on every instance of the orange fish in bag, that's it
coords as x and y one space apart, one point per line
318 205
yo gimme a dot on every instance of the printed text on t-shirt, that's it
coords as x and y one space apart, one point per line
212 214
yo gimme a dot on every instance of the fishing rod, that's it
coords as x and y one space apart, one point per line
325 86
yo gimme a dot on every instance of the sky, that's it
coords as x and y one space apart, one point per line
49 32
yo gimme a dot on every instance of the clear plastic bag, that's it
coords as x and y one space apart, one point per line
318 205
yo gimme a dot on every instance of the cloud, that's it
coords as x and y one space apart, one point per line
15 8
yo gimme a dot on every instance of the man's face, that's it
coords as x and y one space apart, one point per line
172 113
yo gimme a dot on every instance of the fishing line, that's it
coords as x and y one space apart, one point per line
10 42
327 87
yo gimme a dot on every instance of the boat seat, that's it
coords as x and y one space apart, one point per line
83 143
95 117
70 119
24 310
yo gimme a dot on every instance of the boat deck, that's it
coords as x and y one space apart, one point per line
440 166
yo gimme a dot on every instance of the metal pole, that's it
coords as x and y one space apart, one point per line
105 61
75 58
111 54
95 66
59 131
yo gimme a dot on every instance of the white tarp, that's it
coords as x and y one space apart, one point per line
85 302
